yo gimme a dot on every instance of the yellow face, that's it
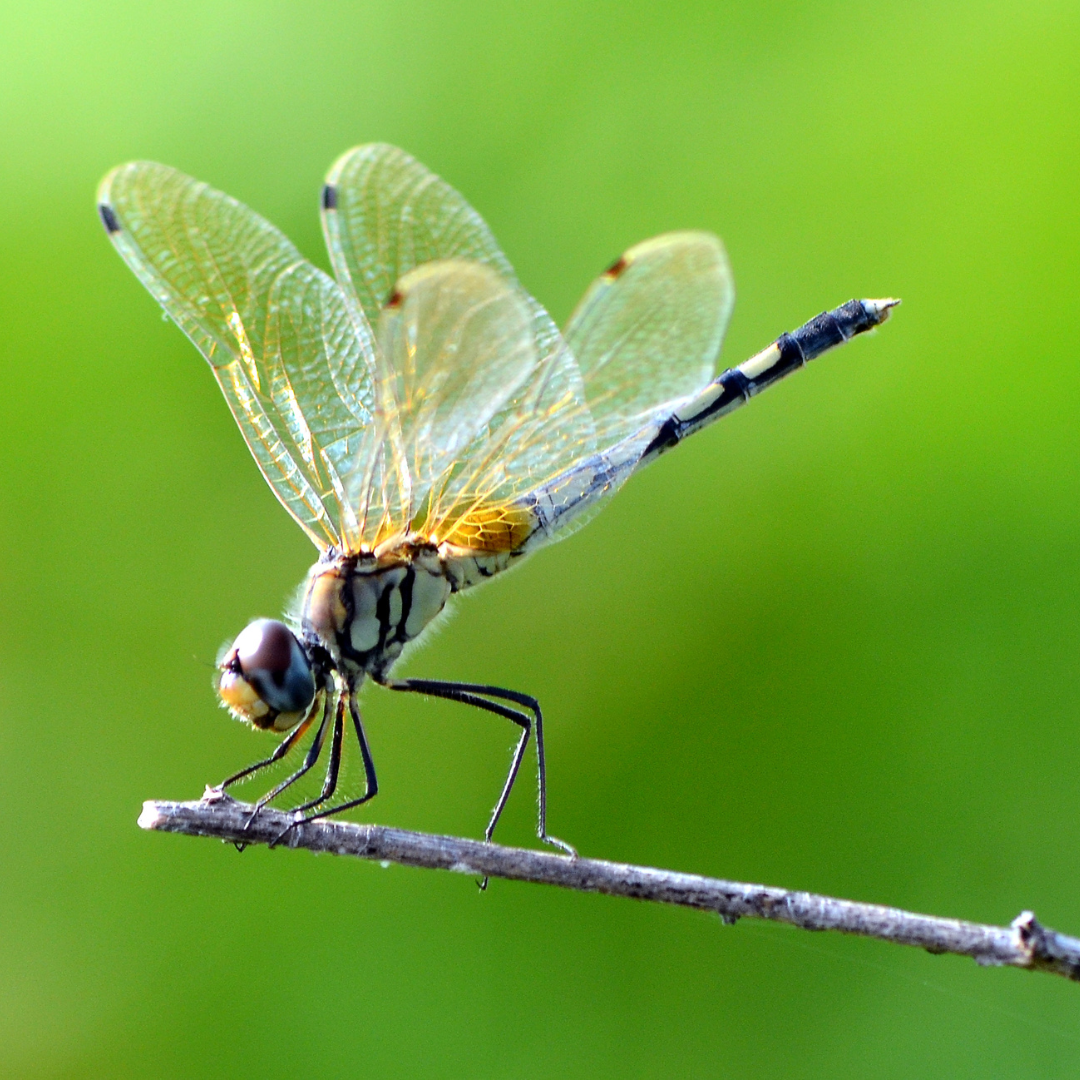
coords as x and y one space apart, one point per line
265 677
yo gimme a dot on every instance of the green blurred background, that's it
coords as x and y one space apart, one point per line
832 643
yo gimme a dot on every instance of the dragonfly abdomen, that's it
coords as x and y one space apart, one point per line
571 494
787 354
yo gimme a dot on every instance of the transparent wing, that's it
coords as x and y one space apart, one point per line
648 332
294 365
384 215
458 338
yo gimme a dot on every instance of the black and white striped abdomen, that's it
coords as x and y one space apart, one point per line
568 498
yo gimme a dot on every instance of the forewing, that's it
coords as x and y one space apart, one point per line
648 332
294 366
385 214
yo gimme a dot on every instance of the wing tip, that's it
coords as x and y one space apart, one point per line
617 268
372 153
108 218
667 242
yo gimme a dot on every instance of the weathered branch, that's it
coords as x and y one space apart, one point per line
1024 943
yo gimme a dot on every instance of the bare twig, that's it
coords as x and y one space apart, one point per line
1024 943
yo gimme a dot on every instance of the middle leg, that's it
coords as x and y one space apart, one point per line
371 783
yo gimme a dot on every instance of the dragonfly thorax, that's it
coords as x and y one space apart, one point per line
363 609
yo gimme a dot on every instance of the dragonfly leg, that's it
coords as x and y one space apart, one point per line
371 783
333 766
310 758
476 694
280 751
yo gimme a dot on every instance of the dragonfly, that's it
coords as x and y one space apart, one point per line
423 419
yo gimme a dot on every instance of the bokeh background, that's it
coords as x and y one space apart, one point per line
833 643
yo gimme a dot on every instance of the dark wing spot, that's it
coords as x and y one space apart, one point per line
616 268
393 301
108 218
329 197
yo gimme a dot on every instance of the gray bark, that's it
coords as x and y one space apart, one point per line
1023 943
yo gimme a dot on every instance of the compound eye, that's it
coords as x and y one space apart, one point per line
266 676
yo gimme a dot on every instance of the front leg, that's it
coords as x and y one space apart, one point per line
371 783
280 750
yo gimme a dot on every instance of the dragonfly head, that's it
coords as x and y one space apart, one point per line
265 676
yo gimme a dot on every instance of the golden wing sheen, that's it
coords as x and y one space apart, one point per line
464 398
384 215
646 336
